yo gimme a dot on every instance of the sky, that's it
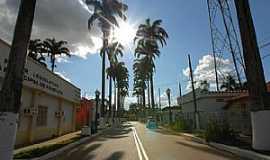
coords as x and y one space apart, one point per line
185 21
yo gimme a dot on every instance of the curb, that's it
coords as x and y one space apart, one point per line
69 146
187 136
247 154
240 152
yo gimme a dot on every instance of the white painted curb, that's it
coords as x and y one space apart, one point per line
63 149
240 152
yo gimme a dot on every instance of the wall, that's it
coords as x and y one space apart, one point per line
41 87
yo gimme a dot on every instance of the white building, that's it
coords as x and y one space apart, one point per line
209 103
48 103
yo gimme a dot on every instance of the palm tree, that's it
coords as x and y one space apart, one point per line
229 84
55 48
149 37
36 50
122 78
106 13
10 94
204 85
114 50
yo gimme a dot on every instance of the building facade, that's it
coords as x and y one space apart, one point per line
48 102
85 113
209 104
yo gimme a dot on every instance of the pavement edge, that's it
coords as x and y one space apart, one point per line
69 146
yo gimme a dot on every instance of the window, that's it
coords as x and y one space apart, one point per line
219 100
42 116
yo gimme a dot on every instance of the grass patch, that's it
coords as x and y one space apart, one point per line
40 151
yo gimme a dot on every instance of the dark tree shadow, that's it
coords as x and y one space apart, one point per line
207 149
116 156
81 152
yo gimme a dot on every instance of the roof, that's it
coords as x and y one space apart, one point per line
9 45
244 95
172 107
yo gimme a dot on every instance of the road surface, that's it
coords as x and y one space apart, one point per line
132 141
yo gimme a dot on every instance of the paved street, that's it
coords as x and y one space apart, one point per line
134 142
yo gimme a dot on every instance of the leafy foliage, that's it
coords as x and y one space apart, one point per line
220 132
36 50
55 48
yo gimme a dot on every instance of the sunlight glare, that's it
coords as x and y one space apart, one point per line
125 33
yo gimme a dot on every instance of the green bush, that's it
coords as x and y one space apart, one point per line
181 125
220 132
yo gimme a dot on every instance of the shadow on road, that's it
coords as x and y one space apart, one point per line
115 156
206 149
81 152
165 132
119 132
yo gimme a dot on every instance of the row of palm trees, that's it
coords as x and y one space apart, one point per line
228 84
107 14
150 37
50 47
117 73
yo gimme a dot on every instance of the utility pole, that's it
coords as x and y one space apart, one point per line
196 116
180 93
254 69
159 102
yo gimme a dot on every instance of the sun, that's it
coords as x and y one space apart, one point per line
125 33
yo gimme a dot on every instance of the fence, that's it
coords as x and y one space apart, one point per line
239 121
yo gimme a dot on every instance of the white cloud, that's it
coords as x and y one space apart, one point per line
205 70
63 75
62 19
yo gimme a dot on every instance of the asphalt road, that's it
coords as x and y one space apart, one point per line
133 141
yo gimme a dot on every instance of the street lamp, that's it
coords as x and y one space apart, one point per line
97 93
168 92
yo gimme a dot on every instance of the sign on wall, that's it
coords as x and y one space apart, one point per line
39 77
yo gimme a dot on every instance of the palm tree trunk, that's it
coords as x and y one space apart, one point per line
148 93
114 107
118 102
53 64
103 83
10 95
110 96
143 99
152 91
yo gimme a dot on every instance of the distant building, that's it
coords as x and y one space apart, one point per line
238 112
48 103
85 113
209 103
165 116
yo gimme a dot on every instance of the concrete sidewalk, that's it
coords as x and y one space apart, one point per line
49 142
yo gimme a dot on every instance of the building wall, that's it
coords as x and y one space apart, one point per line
42 89
204 105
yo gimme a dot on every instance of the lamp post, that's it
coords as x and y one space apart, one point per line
168 92
96 116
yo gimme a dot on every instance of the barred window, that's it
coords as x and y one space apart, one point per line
42 116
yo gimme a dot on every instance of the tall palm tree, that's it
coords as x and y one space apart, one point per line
10 94
150 37
106 13
229 84
114 50
36 50
55 48
204 85
122 78
140 77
